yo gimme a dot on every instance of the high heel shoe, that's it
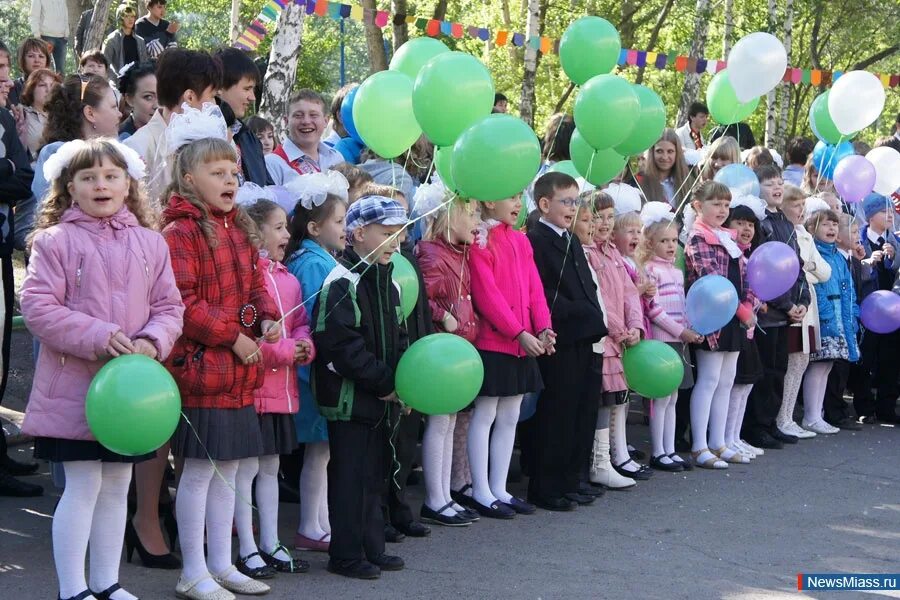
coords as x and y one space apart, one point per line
151 561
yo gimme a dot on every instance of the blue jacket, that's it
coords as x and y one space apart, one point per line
882 275
836 299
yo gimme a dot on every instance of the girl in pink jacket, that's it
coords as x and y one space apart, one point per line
514 329
276 402
99 285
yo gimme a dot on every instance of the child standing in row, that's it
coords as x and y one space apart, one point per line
92 241
712 250
277 401
669 324
216 362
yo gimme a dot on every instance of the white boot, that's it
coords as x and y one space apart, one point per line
602 471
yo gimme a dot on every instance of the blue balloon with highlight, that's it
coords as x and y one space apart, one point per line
740 179
347 115
827 156
711 303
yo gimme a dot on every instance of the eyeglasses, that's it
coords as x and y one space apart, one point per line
570 202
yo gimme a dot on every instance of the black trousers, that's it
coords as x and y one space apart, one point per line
355 487
564 423
836 409
878 368
765 398
401 442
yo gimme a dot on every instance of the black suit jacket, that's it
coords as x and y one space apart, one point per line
568 285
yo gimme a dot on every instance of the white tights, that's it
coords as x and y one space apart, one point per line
92 509
737 405
314 492
797 362
710 399
503 414
814 390
265 470
618 447
662 426
437 459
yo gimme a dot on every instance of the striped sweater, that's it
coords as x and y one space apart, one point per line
666 311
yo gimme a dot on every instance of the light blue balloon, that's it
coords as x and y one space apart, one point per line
739 178
827 156
347 115
711 303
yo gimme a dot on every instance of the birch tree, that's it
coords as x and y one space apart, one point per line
533 27
282 70
96 32
728 32
771 98
374 41
698 47
235 29
401 32
784 89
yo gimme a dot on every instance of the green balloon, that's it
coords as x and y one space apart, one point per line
412 56
496 158
599 167
652 369
650 123
440 374
606 111
723 103
452 91
679 258
406 278
565 166
821 123
442 163
590 46
132 405
383 113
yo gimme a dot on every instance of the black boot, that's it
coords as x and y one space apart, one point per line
10 486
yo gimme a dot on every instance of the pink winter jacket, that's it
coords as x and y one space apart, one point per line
507 291
279 393
87 279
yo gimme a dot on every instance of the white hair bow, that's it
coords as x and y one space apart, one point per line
755 204
655 212
54 166
312 190
815 204
191 125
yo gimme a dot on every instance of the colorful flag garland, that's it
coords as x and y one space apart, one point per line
254 34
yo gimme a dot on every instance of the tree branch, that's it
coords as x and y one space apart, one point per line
868 62
654 35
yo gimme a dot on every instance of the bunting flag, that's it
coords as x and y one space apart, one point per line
254 34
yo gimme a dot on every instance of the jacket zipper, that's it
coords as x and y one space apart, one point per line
78 272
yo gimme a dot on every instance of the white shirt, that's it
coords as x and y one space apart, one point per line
559 230
873 237
684 134
49 18
282 172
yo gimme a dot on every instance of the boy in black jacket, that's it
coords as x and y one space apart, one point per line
560 444
359 341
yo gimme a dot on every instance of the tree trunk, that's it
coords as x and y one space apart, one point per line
507 24
401 32
654 35
532 27
771 97
440 10
374 41
698 47
96 32
784 89
282 70
728 34
235 31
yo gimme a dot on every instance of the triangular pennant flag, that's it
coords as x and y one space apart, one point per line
445 27
399 19
434 28
807 76
641 60
546 45
421 23
518 39
356 13
472 31
334 10
651 57
885 80
483 34
701 65
712 67
796 76
502 38
661 60
681 63
456 30
321 7
534 43
895 80
631 57
815 77
835 76
826 78
381 19
345 10
623 54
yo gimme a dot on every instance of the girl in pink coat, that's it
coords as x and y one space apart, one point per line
276 403
99 285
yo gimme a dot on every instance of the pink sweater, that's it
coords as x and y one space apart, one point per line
666 312
506 290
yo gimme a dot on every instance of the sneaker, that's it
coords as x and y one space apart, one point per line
751 448
793 429
820 427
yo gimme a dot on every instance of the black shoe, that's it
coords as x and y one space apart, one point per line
294 565
413 529
888 418
151 561
462 499
12 487
266 571
392 536
763 440
782 437
80 596
586 489
105 594
387 562
520 506
672 467
636 454
580 499
685 464
17 468
287 493
468 513
642 474
867 420
848 423
414 478
554 504
355 569
434 516
497 510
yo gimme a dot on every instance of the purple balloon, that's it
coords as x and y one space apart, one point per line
880 312
854 178
772 270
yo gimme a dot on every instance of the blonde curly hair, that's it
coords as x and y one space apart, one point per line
58 200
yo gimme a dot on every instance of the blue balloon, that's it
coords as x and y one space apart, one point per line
827 156
711 303
739 178
528 406
347 115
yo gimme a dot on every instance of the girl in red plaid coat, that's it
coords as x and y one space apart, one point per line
216 362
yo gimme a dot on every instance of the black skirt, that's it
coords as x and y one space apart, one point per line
62 450
749 365
279 434
687 380
218 433
508 375
610 399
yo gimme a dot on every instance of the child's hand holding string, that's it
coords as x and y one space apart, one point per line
301 351
119 344
145 347
271 331
246 350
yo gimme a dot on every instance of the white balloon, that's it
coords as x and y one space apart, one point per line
855 101
756 64
886 161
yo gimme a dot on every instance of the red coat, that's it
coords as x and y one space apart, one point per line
215 283
445 269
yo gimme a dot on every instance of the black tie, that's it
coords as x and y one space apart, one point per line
880 243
